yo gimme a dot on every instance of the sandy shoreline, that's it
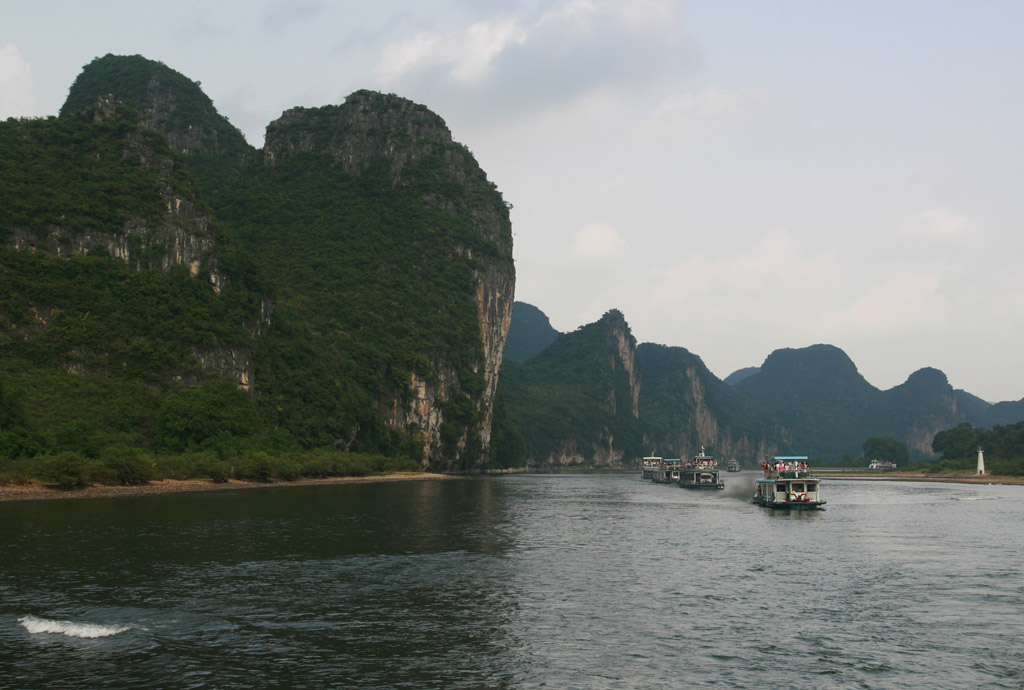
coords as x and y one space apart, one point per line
923 477
40 492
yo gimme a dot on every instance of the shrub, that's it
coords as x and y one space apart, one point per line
67 469
127 465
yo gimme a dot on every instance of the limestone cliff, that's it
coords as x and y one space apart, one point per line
122 193
577 402
179 233
684 406
385 137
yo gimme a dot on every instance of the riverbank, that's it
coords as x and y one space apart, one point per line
42 492
926 477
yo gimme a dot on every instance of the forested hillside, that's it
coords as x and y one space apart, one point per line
529 332
683 406
809 401
575 403
352 282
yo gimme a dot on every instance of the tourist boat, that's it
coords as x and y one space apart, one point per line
668 471
700 472
787 483
650 464
732 466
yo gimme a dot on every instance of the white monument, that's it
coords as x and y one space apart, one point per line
981 461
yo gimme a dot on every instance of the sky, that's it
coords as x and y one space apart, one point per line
735 176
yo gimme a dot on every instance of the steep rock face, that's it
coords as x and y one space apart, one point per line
373 134
577 402
495 295
621 399
368 127
684 407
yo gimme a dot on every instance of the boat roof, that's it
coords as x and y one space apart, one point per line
790 457
787 479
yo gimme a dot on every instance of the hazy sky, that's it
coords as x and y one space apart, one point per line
734 176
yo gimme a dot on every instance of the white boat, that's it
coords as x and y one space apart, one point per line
650 464
700 472
668 471
787 484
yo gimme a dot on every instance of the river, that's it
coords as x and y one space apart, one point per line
521 581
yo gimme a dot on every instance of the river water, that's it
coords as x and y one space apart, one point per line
523 581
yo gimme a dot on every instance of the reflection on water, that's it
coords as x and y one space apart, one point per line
519 581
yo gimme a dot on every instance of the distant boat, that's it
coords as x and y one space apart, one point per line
700 472
668 471
650 464
732 466
788 484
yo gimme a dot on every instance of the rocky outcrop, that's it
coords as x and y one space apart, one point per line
179 235
231 362
684 407
168 102
410 144
368 127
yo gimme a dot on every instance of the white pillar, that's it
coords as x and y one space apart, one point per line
981 461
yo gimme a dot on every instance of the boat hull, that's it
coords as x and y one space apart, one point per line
790 505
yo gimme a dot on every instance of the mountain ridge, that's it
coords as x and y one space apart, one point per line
372 253
810 400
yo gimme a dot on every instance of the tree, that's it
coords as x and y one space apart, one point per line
886 450
959 442
197 415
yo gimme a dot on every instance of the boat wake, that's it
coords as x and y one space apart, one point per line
38 626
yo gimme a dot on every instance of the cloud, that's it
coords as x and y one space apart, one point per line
280 15
596 243
466 55
709 104
941 224
523 63
774 270
17 91
907 302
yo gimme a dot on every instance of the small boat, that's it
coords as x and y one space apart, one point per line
650 464
700 472
732 466
788 484
668 471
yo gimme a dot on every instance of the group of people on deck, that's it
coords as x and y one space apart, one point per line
784 466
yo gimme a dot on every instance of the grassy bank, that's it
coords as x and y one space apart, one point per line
126 467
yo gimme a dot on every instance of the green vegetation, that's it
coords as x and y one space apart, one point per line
334 286
529 333
572 395
677 388
73 173
126 466
886 450
171 102
1003 445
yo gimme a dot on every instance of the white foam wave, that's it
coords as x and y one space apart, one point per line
37 625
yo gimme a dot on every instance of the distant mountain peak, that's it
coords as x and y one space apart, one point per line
821 361
530 331
168 101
